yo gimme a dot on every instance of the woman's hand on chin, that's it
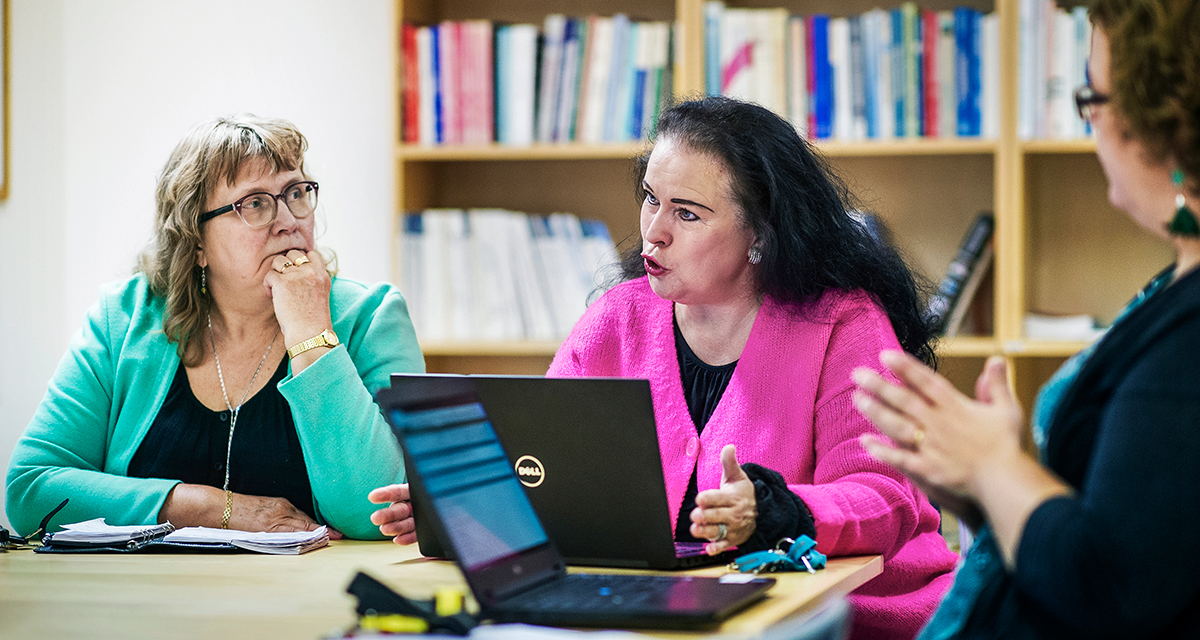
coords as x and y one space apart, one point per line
299 288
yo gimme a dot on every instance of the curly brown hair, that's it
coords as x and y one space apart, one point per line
1154 47
211 151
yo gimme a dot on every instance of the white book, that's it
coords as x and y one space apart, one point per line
426 80
600 254
409 243
497 316
533 306
548 265
461 277
553 29
797 75
947 83
1027 78
519 74
1059 73
736 54
435 273
881 28
839 60
989 66
577 273
768 27
599 66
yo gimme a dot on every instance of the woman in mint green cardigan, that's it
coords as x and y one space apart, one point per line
175 402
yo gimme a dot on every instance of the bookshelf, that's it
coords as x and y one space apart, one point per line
1059 246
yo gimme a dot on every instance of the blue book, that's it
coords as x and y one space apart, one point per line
434 38
899 70
616 101
637 105
712 47
822 77
870 74
968 80
500 82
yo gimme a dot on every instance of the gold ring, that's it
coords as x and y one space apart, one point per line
286 265
918 438
302 260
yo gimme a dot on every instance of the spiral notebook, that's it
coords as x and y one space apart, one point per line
98 536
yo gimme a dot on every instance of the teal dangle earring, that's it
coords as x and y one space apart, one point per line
1184 223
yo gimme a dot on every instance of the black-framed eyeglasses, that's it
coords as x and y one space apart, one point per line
9 541
260 209
1087 99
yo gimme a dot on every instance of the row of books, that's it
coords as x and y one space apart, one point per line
899 73
1053 55
593 79
498 275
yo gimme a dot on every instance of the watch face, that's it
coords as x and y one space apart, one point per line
330 338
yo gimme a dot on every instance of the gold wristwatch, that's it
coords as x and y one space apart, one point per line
326 338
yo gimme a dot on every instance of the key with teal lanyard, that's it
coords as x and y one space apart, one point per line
802 555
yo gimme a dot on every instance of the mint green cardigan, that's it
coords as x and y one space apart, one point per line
114 378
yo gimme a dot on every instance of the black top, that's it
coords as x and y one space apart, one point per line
187 441
703 386
1118 558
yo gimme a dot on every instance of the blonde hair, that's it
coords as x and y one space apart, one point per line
211 151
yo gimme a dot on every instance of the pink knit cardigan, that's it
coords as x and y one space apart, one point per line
787 408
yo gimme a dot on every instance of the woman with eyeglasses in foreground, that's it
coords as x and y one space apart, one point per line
176 402
1098 540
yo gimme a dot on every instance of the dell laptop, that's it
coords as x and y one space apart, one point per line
480 511
586 451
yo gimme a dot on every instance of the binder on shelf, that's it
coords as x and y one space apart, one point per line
948 305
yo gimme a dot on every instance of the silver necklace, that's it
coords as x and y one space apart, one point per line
233 411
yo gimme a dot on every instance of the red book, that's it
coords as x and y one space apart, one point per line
410 84
930 29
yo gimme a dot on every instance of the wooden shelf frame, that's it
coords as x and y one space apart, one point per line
1016 178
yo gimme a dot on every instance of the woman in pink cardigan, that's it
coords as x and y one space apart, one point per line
752 297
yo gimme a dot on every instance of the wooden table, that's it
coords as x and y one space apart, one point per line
179 597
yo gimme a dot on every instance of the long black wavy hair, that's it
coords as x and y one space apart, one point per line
799 211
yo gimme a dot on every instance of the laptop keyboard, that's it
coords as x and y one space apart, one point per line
590 592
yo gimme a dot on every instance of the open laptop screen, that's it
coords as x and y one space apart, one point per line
467 475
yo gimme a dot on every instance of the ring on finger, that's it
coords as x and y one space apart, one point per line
722 531
285 266
918 438
302 260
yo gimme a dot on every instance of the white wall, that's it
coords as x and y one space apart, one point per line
102 91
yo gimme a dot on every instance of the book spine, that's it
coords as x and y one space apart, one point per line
822 78
960 269
930 90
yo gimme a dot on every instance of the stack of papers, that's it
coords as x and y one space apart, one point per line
1050 327
97 533
288 542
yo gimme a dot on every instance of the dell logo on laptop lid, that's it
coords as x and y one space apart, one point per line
530 471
